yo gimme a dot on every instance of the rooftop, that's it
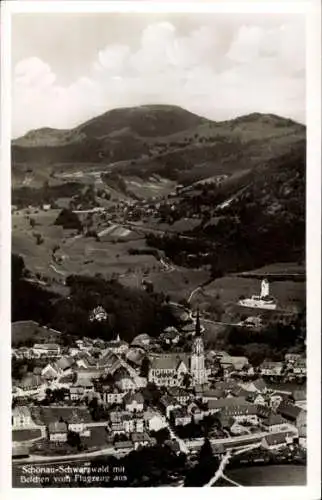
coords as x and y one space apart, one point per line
46 346
274 420
277 438
289 411
57 427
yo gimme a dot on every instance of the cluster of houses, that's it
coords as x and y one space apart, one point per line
188 385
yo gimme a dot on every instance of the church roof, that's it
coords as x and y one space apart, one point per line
169 361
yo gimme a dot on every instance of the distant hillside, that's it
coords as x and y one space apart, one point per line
247 221
165 140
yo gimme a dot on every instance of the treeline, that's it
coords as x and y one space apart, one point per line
25 195
130 311
273 342
263 225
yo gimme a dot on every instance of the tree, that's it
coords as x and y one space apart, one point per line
73 439
205 454
145 367
186 381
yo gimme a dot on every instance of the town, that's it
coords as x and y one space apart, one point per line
98 399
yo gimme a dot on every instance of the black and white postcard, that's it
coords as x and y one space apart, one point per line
160 216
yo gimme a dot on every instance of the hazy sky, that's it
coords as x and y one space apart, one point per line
67 68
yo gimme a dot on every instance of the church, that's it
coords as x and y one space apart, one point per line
170 369
198 371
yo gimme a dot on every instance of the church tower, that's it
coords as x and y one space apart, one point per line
264 289
197 367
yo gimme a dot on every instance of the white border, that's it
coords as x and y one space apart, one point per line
313 10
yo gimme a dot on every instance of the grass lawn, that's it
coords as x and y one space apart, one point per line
25 434
97 439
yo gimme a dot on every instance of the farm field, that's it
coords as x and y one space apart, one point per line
178 283
77 254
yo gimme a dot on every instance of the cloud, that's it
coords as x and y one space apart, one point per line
256 69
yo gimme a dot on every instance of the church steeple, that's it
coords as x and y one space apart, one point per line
197 367
198 327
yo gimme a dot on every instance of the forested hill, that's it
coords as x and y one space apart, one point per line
166 140
258 220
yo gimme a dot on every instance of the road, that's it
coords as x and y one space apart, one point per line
38 459
219 472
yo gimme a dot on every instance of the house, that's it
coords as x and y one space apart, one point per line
228 387
116 422
117 346
76 393
112 395
252 322
263 412
168 404
50 371
277 440
155 421
125 446
180 416
299 367
275 400
108 360
64 364
256 398
81 388
242 414
257 385
292 358
21 418
140 439
121 421
47 350
133 422
293 414
180 394
237 429
299 398
133 402
275 423
88 373
66 380
168 369
80 344
73 351
237 363
216 405
170 336
78 420
142 340
211 394
271 368
135 356
30 383
23 353
125 383
57 432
